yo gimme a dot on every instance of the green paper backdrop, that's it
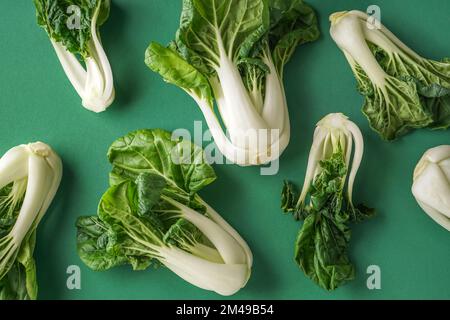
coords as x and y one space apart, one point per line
37 102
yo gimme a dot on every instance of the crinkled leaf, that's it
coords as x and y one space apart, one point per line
180 162
96 244
288 198
59 21
321 252
437 100
416 96
292 23
322 245
396 110
20 283
150 187
13 285
207 24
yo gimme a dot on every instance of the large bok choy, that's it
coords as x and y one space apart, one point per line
73 28
326 202
29 178
431 185
402 90
233 53
152 215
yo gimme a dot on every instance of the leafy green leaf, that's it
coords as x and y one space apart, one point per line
180 162
292 23
396 110
209 26
150 187
418 94
322 245
321 252
437 100
13 285
96 245
56 18
174 69
20 283
288 198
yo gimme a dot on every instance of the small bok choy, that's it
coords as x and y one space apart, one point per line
326 202
73 28
231 54
402 90
29 178
152 215
431 185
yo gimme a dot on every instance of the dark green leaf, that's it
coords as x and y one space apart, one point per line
292 23
96 244
322 246
288 198
56 18
180 162
150 188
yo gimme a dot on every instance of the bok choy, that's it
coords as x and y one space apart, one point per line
73 28
231 54
29 178
152 215
402 90
431 185
326 202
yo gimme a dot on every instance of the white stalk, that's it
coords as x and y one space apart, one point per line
396 44
41 169
13 165
225 279
37 187
229 249
99 91
315 156
72 67
357 156
217 218
334 132
275 110
240 115
234 153
348 33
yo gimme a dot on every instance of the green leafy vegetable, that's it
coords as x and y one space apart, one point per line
326 206
402 90
152 215
233 53
431 186
29 178
73 28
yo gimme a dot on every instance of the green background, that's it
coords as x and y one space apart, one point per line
37 102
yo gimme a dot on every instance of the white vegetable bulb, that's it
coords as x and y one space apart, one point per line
225 277
93 82
35 171
334 133
431 186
